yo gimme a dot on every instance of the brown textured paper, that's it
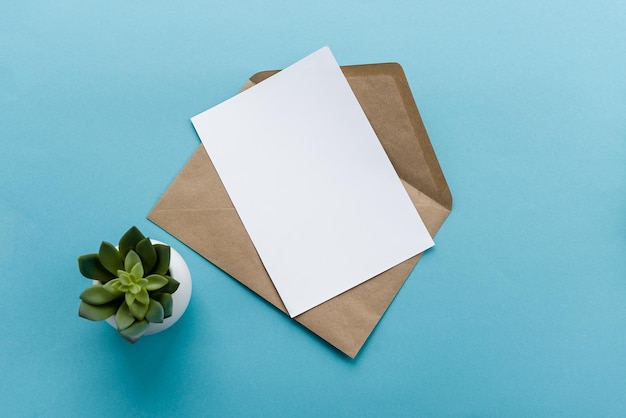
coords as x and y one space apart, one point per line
197 210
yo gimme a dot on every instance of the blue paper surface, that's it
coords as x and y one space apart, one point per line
520 310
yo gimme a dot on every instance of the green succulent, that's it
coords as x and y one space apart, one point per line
133 283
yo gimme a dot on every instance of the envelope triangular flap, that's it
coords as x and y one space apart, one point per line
197 210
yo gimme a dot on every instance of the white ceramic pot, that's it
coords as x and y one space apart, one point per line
180 272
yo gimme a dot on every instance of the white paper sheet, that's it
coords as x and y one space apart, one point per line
310 181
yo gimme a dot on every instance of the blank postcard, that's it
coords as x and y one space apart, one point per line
311 183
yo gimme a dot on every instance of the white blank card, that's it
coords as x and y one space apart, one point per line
311 183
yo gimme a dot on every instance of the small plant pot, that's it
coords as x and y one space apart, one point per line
179 271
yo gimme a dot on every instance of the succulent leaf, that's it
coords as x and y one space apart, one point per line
142 296
155 282
163 259
131 260
146 252
110 257
137 270
135 331
166 300
155 312
91 267
138 309
113 285
171 286
129 240
96 313
98 295
124 280
123 317
129 298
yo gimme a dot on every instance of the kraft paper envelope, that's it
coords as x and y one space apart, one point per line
197 210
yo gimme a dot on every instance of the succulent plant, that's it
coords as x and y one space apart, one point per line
132 282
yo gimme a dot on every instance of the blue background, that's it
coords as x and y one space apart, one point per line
520 310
